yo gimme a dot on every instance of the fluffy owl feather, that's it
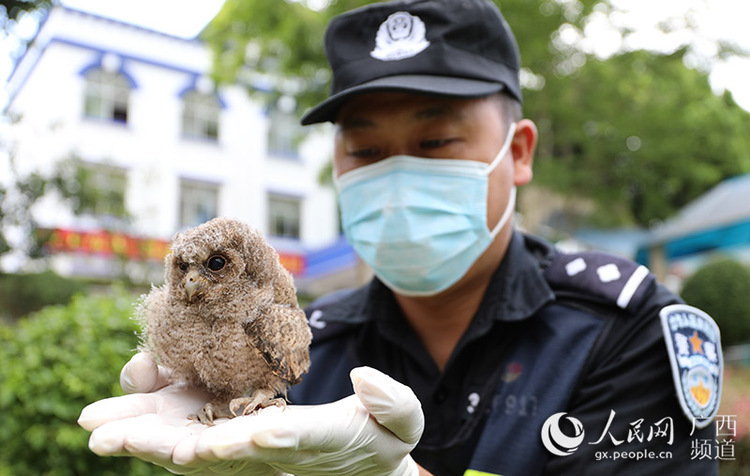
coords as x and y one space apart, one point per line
226 319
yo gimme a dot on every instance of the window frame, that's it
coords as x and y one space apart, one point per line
203 188
201 116
285 230
106 96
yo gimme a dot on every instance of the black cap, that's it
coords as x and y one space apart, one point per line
457 48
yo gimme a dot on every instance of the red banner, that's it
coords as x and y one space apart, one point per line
109 244
106 243
295 264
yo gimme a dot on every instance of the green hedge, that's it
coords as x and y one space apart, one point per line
722 289
62 358
52 364
740 465
21 294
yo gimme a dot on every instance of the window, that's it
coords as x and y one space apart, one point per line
108 184
200 115
199 202
106 95
96 190
284 130
284 216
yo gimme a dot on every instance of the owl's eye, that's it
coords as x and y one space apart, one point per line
183 266
216 263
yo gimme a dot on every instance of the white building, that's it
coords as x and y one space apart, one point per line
139 109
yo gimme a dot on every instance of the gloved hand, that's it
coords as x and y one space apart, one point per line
369 433
154 426
142 375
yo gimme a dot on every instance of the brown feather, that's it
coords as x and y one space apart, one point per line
241 329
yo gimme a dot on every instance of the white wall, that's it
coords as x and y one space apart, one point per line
47 92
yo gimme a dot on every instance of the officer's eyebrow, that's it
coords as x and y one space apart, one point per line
438 111
425 114
355 123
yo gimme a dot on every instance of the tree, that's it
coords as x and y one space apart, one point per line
73 182
639 133
16 199
256 41
15 8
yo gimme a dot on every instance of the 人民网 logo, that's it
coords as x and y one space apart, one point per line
557 442
694 347
400 36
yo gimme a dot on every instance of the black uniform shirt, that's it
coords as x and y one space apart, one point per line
622 374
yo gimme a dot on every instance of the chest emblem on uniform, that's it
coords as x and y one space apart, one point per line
400 36
694 347
512 371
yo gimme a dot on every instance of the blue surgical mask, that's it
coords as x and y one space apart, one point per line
420 223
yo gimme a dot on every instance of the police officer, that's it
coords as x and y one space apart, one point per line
513 358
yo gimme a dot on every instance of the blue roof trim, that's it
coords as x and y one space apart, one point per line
192 86
122 70
125 57
30 45
42 23
39 50
65 41
12 94
734 235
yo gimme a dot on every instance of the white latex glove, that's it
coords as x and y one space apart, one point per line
154 426
142 375
369 433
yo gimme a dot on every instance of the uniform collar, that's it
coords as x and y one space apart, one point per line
518 288
516 291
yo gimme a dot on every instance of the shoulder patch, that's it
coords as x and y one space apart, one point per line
694 347
599 277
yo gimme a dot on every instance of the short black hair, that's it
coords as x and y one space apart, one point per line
510 108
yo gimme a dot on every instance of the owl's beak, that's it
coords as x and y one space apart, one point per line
193 284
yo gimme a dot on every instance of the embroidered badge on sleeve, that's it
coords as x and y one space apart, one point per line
694 347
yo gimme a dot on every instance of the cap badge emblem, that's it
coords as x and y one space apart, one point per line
400 36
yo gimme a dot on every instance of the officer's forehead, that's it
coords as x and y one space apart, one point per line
363 110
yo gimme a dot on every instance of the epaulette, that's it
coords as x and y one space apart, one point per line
599 277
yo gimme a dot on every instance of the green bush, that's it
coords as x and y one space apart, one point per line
722 289
740 465
52 364
21 294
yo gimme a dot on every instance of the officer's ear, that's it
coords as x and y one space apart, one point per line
522 147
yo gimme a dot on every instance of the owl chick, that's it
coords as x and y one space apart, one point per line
226 319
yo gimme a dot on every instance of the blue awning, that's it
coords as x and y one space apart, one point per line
719 219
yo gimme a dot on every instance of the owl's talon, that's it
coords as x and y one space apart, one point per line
205 415
278 402
209 413
259 399
237 403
